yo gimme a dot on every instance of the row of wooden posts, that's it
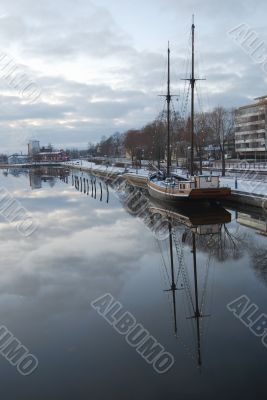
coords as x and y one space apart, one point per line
89 186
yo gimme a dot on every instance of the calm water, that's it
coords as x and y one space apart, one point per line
86 246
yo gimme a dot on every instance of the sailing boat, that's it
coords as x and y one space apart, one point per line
172 188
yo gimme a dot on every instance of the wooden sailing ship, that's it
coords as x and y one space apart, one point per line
172 188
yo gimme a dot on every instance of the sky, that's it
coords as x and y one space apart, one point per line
95 67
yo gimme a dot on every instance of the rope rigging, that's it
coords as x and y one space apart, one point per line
182 268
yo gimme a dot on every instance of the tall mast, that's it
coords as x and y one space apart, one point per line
173 285
168 98
192 82
197 311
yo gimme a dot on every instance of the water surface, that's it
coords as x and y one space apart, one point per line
87 245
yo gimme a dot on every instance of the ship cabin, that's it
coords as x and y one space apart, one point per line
200 182
206 182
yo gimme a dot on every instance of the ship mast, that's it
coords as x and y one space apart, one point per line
197 315
168 99
173 285
192 83
197 312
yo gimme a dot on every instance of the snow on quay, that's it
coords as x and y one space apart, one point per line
253 185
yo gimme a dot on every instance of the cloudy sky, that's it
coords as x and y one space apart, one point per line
99 65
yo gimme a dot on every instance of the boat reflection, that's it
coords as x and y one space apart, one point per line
190 227
201 229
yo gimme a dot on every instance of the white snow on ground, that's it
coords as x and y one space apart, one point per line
93 166
244 185
90 165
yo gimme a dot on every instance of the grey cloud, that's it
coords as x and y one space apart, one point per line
63 35
63 30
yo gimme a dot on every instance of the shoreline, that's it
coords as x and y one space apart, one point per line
242 197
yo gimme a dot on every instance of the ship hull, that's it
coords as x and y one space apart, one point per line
173 196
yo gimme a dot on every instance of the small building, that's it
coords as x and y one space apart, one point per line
52 156
17 159
250 130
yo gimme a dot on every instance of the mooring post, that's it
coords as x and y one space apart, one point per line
101 193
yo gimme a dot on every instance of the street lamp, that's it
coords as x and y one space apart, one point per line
188 156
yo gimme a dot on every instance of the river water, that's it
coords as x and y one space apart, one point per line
186 276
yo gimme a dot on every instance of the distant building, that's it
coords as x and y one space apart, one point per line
33 147
45 153
46 149
3 159
52 156
250 130
17 159
35 180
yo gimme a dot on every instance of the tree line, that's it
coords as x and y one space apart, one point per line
214 128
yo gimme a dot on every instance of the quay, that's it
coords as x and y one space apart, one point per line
140 179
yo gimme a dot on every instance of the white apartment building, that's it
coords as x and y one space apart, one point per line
250 130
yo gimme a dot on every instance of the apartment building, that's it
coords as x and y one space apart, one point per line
250 130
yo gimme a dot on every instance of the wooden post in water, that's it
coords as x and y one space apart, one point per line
100 191
107 193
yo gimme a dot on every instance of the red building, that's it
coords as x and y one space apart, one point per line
54 156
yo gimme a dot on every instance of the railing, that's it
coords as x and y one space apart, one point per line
241 165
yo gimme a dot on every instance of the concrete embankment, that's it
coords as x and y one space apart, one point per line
31 165
250 199
238 197
136 180
107 174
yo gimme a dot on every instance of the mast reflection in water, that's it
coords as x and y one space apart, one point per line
187 225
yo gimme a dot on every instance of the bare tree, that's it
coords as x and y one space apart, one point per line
201 130
221 122
132 141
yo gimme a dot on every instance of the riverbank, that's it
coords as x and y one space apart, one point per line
251 192
245 192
